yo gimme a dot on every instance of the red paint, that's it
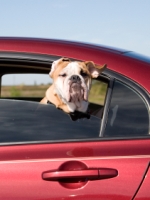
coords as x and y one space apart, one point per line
22 166
144 191
76 150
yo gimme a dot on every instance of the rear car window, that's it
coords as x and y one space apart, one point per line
128 114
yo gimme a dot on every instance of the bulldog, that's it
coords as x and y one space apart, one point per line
71 84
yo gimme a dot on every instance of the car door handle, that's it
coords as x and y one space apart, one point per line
90 174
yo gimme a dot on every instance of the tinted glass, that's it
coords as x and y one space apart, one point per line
128 114
23 121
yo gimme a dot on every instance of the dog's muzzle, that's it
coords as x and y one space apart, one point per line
75 79
76 90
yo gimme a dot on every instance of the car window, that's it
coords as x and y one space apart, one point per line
128 114
29 121
25 121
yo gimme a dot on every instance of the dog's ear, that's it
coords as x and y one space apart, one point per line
53 67
95 70
55 64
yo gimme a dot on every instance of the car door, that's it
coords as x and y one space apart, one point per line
46 155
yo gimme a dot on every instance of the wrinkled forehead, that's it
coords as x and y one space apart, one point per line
75 68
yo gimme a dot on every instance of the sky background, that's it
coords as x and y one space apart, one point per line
117 23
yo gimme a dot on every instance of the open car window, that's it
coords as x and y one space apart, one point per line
33 86
25 120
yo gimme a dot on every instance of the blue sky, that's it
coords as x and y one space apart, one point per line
119 23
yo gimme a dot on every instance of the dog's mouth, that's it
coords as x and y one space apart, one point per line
77 93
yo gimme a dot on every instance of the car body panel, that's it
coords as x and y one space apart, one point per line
22 166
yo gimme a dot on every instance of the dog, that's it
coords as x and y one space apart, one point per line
71 84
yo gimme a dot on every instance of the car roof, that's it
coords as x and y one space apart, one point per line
128 63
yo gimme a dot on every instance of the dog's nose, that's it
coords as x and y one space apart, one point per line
75 78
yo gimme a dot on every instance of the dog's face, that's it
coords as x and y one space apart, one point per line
72 81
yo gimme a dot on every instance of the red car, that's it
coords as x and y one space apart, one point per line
46 155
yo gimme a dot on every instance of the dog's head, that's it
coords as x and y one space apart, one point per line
72 81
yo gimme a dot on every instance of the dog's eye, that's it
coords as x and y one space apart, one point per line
82 73
63 75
